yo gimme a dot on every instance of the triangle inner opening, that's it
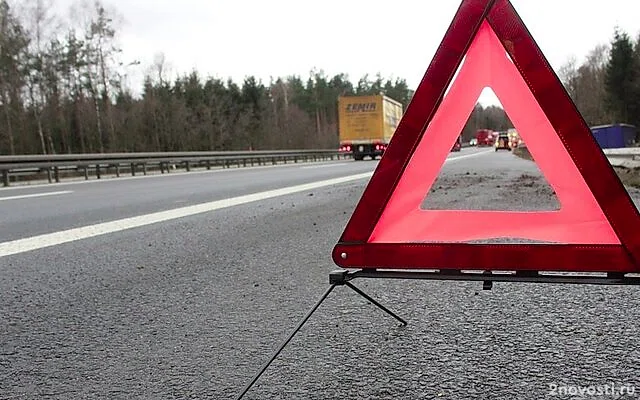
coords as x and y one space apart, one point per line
490 168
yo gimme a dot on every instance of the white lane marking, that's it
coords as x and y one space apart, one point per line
323 166
480 153
28 196
70 235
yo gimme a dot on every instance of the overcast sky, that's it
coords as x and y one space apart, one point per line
236 38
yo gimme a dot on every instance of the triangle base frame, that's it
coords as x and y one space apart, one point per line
495 257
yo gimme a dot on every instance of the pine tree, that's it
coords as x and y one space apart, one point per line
635 87
621 76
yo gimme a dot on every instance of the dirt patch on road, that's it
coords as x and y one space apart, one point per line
629 176
523 152
470 191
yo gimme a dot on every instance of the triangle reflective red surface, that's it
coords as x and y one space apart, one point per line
597 222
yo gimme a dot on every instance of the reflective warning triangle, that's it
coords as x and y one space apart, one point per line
595 228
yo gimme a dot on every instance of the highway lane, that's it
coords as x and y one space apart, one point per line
190 308
99 201
80 204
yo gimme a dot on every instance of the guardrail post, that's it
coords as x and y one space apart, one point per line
117 167
273 160
49 175
98 171
187 166
86 172
144 168
208 164
133 169
56 174
5 177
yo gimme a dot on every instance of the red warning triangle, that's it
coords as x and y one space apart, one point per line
596 225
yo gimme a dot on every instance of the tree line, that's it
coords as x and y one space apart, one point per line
605 87
63 90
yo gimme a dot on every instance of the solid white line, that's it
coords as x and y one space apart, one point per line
70 235
28 196
480 153
322 166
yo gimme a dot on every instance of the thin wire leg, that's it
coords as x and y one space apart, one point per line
291 335
383 308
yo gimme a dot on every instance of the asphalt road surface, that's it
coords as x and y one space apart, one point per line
175 301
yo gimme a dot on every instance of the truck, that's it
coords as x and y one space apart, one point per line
615 135
366 124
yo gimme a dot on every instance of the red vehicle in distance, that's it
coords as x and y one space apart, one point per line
457 146
485 137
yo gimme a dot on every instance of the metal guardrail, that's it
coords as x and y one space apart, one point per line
625 157
53 166
56 165
625 152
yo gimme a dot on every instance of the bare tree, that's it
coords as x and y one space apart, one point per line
160 67
13 45
568 74
39 21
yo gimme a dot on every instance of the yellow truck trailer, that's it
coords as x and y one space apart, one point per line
366 124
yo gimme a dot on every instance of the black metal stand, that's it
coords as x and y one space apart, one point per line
336 278
488 277
342 278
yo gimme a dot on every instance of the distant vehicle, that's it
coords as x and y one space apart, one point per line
502 143
514 138
615 135
484 137
473 142
366 124
457 146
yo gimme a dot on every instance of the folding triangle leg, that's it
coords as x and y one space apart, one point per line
336 278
